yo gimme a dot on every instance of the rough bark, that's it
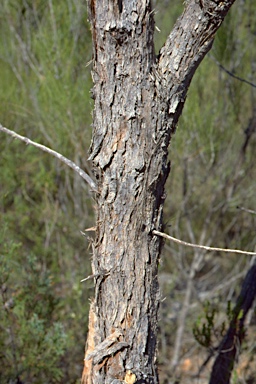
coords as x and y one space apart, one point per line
138 100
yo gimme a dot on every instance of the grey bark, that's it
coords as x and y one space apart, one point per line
138 100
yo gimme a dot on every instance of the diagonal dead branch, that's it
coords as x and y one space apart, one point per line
60 157
247 210
231 73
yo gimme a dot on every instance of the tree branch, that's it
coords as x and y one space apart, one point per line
60 157
200 246
231 73
230 346
247 210
190 40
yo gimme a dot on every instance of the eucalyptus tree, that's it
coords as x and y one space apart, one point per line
138 99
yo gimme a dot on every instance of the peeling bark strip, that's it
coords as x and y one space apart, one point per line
138 101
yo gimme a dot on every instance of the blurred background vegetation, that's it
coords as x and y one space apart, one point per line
45 54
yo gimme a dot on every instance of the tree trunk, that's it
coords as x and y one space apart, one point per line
138 100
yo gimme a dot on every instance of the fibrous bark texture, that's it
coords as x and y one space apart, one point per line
138 100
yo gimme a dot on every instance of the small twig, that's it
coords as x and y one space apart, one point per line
62 158
200 246
95 275
232 74
247 210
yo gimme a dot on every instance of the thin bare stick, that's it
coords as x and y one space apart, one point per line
231 73
200 246
62 158
247 210
95 275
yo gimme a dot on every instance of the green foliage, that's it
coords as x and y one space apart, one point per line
211 175
202 330
44 95
207 328
166 14
31 340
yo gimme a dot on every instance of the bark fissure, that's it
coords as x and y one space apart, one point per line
138 100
